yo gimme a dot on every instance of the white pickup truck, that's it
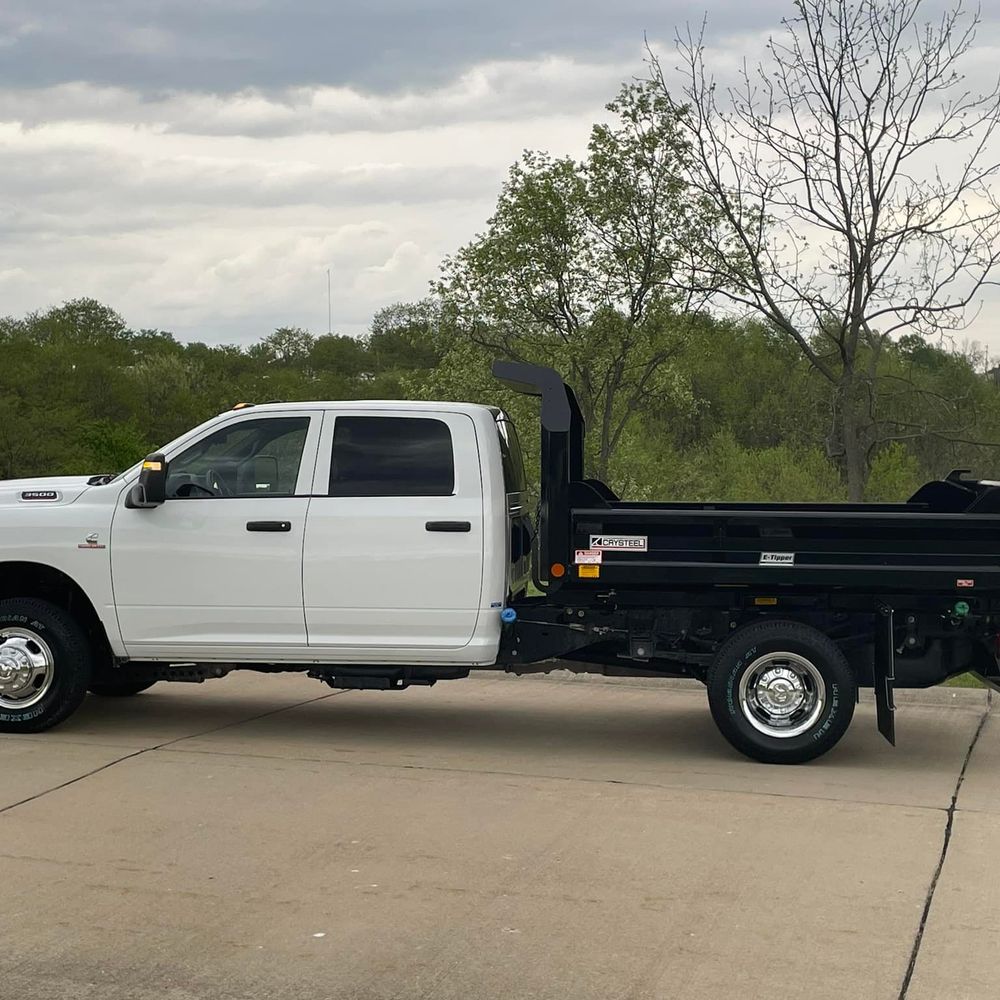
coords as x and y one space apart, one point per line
378 545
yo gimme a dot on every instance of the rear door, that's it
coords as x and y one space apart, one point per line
394 539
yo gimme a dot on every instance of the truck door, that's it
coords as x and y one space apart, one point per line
394 539
218 566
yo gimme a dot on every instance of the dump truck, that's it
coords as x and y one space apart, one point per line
378 545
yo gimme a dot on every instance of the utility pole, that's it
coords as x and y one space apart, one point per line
329 304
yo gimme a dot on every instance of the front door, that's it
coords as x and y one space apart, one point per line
217 569
394 540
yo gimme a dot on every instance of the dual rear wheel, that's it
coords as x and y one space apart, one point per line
781 692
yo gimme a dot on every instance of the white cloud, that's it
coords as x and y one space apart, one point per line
217 216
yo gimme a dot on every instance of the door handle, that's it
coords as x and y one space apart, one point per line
269 525
448 526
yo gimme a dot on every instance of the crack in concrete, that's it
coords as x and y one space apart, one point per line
161 746
946 841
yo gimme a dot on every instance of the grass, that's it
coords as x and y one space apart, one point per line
964 681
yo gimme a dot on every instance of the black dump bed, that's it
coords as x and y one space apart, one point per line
945 539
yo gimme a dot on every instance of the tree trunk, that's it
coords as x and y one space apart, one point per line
855 465
848 435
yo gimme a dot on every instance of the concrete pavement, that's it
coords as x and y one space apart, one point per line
264 837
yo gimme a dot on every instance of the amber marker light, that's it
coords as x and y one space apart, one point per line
557 570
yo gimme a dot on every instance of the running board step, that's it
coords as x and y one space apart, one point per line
370 682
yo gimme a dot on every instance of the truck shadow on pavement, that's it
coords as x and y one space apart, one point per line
493 727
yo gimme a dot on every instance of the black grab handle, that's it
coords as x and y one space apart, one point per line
269 525
448 526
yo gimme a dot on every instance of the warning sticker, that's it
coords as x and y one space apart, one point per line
586 557
619 543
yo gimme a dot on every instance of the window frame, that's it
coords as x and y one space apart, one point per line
511 453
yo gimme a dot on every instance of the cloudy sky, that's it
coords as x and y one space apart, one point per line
199 164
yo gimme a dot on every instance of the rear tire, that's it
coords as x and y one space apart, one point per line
781 692
119 688
45 665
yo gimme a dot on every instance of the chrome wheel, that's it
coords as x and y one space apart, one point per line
782 694
27 667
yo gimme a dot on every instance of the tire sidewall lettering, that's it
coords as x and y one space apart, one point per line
32 713
734 678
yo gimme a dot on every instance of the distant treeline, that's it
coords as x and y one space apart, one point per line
743 415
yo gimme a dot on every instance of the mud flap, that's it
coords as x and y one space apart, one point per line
884 674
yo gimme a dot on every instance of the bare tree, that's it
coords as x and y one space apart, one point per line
851 170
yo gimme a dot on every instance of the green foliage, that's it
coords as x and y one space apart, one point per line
80 392
108 447
726 470
737 414
895 475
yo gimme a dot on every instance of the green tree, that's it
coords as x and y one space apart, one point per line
288 346
578 262
409 336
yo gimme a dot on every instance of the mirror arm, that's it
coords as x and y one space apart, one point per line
135 499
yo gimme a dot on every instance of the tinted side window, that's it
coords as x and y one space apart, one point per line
391 457
251 458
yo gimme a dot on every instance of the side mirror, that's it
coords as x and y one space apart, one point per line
151 490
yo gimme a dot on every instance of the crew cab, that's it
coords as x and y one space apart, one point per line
378 545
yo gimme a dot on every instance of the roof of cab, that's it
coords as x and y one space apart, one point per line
366 404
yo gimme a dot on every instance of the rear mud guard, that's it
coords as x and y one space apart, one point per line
884 674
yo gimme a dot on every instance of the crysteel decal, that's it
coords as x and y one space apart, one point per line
619 543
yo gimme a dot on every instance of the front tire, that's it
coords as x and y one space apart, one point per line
781 692
45 665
